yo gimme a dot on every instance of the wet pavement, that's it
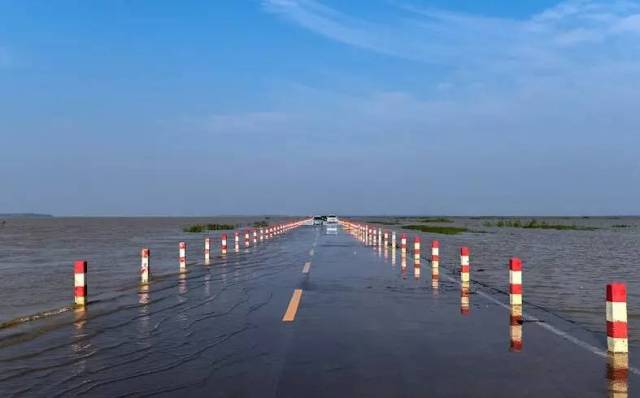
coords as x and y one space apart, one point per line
367 324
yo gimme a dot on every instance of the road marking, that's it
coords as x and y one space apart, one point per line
311 252
292 309
307 265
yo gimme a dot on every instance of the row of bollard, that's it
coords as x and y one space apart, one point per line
616 296
80 266
616 301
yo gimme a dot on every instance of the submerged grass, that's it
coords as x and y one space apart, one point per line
437 229
434 219
208 227
382 222
535 224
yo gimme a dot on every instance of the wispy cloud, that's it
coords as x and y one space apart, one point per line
555 38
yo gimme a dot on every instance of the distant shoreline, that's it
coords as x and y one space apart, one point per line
24 215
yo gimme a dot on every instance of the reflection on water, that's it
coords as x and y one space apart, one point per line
416 268
515 328
207 285
182 283
81 346
393 256
464 298
618 375
143 309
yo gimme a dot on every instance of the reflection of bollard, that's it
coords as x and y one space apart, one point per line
515 281
618 375
373 235
236 238
464 264
379 236
416 248
386 238
515 328
223 243
80 282
393 255
393 239
617 318
416 267
435 280
207 250
182 255
144 265
464 298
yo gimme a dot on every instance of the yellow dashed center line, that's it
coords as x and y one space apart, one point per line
307 265
292 309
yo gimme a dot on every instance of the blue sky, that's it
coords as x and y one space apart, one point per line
305 106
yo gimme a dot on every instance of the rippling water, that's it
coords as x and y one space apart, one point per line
36 256
564 271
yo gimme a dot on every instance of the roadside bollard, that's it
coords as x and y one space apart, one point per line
236 238
435 258
255 236
386 238
464 264
246 238
416 248
182 256
515 281
261 234
373 233
403 244
617 337
207 250
393 239
379 236
223 243
144 265
80 283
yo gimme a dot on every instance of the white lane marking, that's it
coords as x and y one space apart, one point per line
307 265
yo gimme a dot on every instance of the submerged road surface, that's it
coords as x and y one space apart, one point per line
308 314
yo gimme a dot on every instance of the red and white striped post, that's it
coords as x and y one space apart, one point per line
435 257
617 334
145 270
416 248
393 239
255 236
246 238
223 243
236 239
464 264
182 255
403 244
207 250
80 282
515 281
386 238
379 236
261 234
374 235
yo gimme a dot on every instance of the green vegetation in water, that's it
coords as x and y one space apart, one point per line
436 229
260 224
434 219
621 226
208 227
535 224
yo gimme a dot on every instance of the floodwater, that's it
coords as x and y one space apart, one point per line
369 324
565 271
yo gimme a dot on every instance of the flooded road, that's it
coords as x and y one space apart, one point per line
367 323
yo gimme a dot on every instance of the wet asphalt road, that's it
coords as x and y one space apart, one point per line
365 326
